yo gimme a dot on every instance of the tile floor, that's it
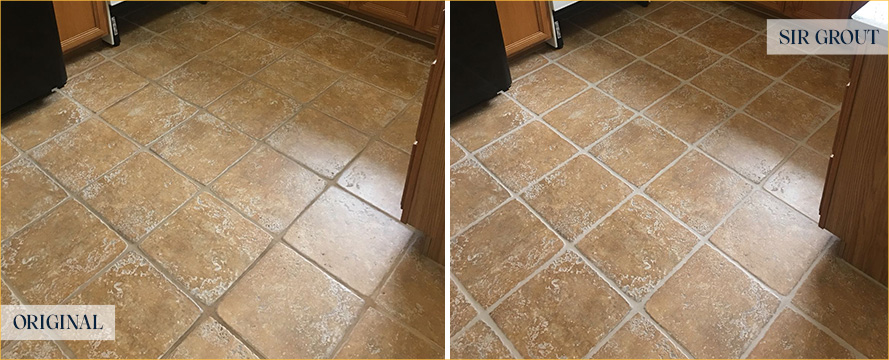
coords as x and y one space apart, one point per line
651 191
230 178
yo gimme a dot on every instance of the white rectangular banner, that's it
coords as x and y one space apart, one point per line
57 322
824 37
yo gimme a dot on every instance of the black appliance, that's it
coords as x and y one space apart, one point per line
478 56
32 63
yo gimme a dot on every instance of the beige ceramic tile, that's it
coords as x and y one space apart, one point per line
201 81
211 340
461 310
524 63
525 155
155 57
547 316
41 119
731 82
822 140
31 350
246 53
754 54
698 191
206 246
639 339
194 147
299 77
138 194
311 13
748 147
415 295
487 121
335 50
394 73
772 240
318 141
134 34
711 307
83 59
8 152
402 132
848 303
83 153
567 201
789 110
641 37
284 30
842 60
573 36
254 108
103 85
457 154
473 194
603 19
149 113
546 88
269 188
27 194
159 17
749 18
588 117
596 60
818 77
362 31
637 246
714 7
639 85
800 181
199 34
360 105
479 342
378 337
500 251
240 14
263 305
678 17
638 150
60 252
136 288
720 35
367 244
793 337
683 58
411 48
378 177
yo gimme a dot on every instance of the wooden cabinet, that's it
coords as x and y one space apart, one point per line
812 9
399 12
524 24
427 17
80 22
776 6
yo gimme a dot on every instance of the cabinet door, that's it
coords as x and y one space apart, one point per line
427 18
819 9
777 6
524 24
399 12
80 22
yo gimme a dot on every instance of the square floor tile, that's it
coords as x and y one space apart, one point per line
335 50
603 19
206 246
411 48
678 17
848 303
104 85
134 34
138 194
286 294
823 79
522 64
415 294
394 73
42 119
574 37
638 150
402 132
731 82
362 31
269 188
720 35
698 191
211 340
588 117
793 337
199 34
83 153
245 53
748 147
790 111
377 336
359 104
487 121
711 307
683 58
8 152
754 54
546 317
822 140
496 254
80 60
312 13
545 88
639 85
461 310
456 152
201 81
800 181
639 339
194 147
318 141
149 113
31 350
473 194
353 241
240 14
637 246
596 60
479 342
158 17
641 37
527 154
27 195
154 58
136 289
574 196
749 18
60 252
298 77
772 240
254 108
845 61
378 176
284 30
